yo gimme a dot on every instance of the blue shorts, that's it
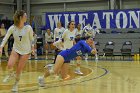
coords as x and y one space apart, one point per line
64 54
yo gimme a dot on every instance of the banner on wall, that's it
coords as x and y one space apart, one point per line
129 18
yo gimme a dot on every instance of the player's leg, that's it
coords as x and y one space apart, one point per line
57 66
22 61
78 64
13 58
64 71
6 50
52 47
47 47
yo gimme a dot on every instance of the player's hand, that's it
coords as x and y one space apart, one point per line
94 51
33 51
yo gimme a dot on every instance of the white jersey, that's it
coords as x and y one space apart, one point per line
35 38
23 39
48 38
58 32
68 37
78 32
88 31
88 28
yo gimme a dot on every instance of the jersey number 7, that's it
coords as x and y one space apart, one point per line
20 37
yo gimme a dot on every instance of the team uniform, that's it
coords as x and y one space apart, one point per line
23 43
58 33
49 38
68 37
2 34
88 31
79 32
78 35
77 50
23 39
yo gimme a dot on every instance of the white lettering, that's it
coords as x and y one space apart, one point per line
108 16
134 18
96 21
82 18
119 20
66 20
54 19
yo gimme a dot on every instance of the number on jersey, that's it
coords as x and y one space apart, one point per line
20 37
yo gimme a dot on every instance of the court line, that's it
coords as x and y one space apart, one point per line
105 73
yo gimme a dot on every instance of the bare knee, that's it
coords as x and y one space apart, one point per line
10 65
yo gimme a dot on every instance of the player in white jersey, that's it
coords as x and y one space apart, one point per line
69 35
49 41
58 31
88 30
22 47
79 31
69 40
2 34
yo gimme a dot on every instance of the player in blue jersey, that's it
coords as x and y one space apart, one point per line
64 57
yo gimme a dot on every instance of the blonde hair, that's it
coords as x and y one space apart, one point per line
17 16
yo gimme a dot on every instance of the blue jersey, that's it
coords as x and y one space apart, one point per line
78 49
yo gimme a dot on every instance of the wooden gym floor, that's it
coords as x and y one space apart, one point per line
99 77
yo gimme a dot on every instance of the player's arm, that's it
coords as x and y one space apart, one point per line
32 40
64 35
54 34
52 37
93 51
59 44
89 49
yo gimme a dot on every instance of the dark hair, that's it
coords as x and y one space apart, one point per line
86 37
17 16
69 23
77 25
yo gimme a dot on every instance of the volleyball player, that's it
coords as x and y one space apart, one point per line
89 31
22 47
2 34
58 31
49 41
64 57
69 35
